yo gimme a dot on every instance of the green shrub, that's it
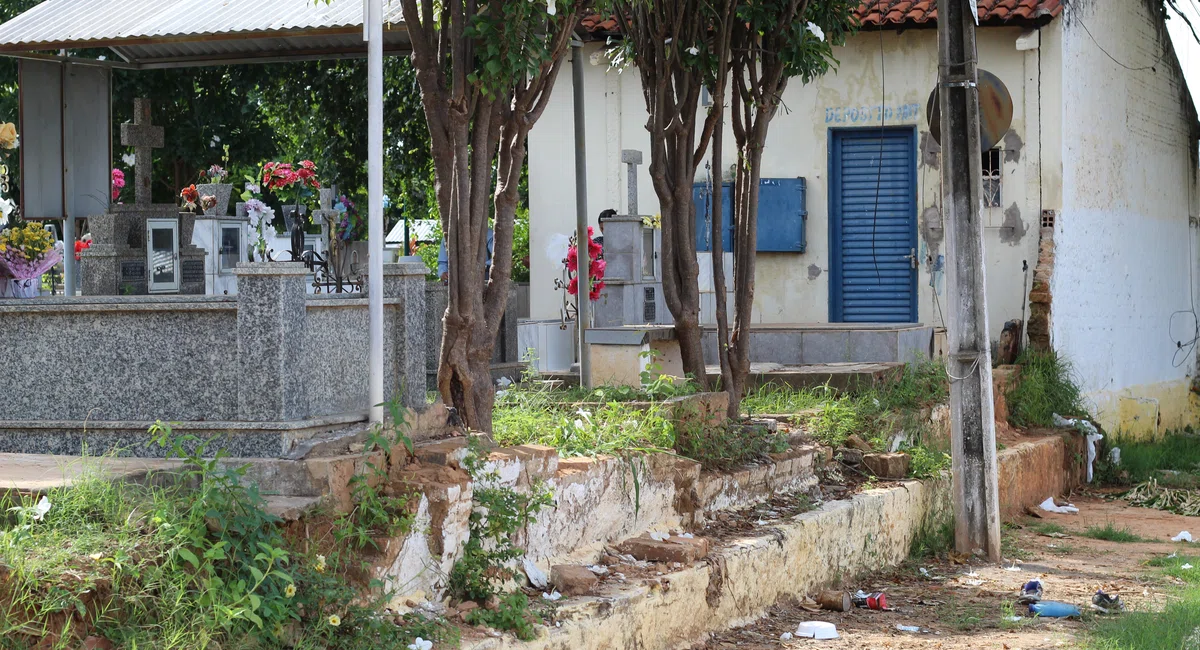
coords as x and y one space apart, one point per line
1045 387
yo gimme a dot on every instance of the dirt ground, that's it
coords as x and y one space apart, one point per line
960 606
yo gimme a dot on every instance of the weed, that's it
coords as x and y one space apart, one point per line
1171 628
1174 460
1045 387
490 553
926 463
1010 549
720 444
935 537
1047 528
1110 533
538 416
513 614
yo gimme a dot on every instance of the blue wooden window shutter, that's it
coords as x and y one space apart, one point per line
782 216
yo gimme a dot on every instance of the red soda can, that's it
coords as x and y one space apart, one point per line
877 600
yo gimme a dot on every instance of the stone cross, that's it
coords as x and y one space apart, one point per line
633 158
144 138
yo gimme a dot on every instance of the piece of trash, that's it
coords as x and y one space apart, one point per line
1056 535
924 571
1014 619
786 636
537 577
686 536
552 596
1054 609
1049 506
907 628
1114 456
421 644
1089 430
809 605
1031 592
1014 567
817 630
832 600
876 600
1172 555
598 569
659 537
42 507
1183 536
1185 566
973 583
1107 603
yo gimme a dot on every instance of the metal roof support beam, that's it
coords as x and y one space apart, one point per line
374 33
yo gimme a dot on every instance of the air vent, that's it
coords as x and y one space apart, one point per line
649 305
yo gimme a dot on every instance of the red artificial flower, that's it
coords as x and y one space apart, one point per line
572 259
80 246
594 295
597 269
594 249
573 286
190 196
308 164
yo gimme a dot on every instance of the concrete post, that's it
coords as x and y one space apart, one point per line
271 323
404 282
582 302
976 495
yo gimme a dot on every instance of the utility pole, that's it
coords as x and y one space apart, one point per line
976 498
582 300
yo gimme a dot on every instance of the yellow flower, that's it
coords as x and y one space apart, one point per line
320 567
289 591
8 136
335 620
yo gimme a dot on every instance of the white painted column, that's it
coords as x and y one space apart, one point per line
373 22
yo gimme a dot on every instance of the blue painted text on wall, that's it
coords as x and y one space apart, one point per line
872 114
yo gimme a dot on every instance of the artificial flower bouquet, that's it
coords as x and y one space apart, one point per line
27 252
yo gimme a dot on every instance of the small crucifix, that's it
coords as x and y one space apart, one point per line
144 138
633 158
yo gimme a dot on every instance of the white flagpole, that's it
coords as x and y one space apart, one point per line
373 21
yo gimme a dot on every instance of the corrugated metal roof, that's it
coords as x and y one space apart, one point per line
149 30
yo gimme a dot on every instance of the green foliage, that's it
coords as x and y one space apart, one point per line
927 463
1110 533
375 513
1047 528
189 559
728 444
1045 387
513 615
935 537
1174 460
490 554
1171 628
520 270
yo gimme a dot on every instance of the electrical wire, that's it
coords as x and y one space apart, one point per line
1111 57
879 169
1184 349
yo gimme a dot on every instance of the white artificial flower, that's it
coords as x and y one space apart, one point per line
420 644
212 144
550 8
253 188
693 50
552 596
6 208
217 138
102 58
40 510
816 31
129 159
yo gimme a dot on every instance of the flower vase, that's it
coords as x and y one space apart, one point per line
26 288
221 192
297 233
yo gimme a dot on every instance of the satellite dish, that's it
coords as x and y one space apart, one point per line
995 111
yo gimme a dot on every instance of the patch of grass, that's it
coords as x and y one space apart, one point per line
1110 533
780 399
1172 628
1047 528
926 463
934 538
1009 548
539 416
1046 386
1175 452
728 445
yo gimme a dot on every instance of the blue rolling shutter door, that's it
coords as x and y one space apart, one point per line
874 207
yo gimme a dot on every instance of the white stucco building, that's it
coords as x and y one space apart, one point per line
1102 149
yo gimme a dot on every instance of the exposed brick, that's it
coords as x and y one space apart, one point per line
445 452
894 466
854 441
572 580
675 549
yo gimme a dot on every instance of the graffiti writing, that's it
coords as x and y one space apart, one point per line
872 114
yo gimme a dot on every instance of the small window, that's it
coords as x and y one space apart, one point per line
992 174
230 249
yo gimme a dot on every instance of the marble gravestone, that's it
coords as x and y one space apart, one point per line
633 284
117 262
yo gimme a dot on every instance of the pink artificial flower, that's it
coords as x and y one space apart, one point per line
594 295
572 259
573 286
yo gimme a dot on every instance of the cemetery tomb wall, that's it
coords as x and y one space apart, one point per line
120 359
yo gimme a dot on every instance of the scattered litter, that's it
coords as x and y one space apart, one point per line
971 574
1114 456
786 636
1014 619
876 600
809 605
973 583
1185 566
817 630
1183 536
1088 429
907 628
598 569
42 507
1172 555
897 440
537 577
1053 609
1049 506
686 535
929 603
552 596
1031 592
659 537
1056 535
926 574
1107 603
1014 567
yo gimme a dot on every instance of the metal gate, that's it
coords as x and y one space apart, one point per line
873 225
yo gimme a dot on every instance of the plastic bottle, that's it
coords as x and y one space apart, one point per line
1053 609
